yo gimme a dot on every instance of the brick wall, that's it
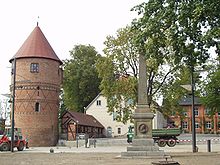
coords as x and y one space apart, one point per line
201 119
41 128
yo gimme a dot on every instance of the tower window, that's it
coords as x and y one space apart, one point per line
34 68
38 93
37 107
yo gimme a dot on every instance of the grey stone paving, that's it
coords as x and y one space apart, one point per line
118 149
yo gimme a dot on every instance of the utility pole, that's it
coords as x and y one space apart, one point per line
13 106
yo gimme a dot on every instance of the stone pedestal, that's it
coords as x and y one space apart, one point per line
143 148
143 143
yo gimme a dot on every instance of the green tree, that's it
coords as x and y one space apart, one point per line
81 82
180 30
184 30
173 93
212 91
119 73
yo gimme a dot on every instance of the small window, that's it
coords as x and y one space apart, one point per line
196 111
196 125
114 114
119 131
98 102
34 68
185 125
208 124
37 107
218 113
219 125
109 132
207 111
184 113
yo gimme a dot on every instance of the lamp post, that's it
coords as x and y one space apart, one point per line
77 137
191 88
193 112
13 106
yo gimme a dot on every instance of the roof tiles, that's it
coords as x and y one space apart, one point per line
36 46
84 119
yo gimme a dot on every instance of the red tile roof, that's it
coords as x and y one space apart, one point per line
36 46
84 119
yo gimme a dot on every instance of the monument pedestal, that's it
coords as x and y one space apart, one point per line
143 145
143 148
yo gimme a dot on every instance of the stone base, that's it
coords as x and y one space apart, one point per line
143 148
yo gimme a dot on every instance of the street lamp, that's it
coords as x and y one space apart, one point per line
77 137
13 107
193 112
192 89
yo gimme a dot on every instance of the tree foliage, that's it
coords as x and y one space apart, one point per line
174 92
183 29
118 71
212 91
119 74
180 30
81 82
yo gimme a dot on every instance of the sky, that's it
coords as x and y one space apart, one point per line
64 23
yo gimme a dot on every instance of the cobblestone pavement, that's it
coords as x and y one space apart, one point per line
107 156
101 159
118 149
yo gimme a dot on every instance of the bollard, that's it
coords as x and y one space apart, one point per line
197 149
209 145
94 143
51 150
87 140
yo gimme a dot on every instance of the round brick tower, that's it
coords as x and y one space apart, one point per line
37 87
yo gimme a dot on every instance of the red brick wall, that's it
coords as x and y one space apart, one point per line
201 119
41 128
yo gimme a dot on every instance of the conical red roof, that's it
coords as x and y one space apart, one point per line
36 46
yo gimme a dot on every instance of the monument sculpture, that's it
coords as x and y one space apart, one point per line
143 144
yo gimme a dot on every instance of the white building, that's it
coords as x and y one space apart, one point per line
98 109
159 121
